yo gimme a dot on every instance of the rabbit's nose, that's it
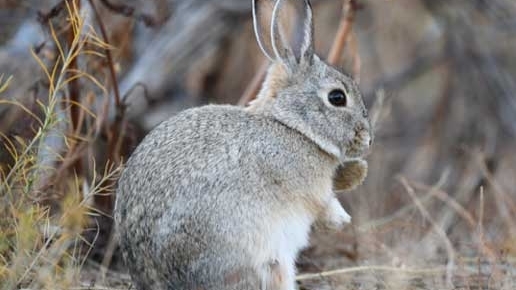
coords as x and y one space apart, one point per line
367 143
363 133
366 139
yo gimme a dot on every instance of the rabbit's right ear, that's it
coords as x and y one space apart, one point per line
279 39
298 48
262 10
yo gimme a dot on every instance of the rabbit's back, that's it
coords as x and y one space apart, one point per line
193 198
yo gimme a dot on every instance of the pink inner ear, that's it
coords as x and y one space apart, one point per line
303 29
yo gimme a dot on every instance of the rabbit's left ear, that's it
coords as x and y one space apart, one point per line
300 48
262 19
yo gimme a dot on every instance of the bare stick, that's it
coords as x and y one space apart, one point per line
108 54
254 86
54 11
301 277
74 88
452 203
108 256
504 202
449 247
345 26
129 11
480 230
357 61
404 210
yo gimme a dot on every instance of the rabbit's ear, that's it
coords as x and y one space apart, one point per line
300 48
262 10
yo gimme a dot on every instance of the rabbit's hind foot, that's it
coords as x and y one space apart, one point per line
278 276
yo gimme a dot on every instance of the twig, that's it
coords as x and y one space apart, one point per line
452 203
74 90
357 60
89 287
480 231
378 109
119 8
54 11
449 247
404 210
146 96
108 54
481 214
504 202
116 131
346 24
129 11
108 255
71 157
254 86
436 270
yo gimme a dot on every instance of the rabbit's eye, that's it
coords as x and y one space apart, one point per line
337 98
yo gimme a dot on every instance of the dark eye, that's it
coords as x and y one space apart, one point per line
337 98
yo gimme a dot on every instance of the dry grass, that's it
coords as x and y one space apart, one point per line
41 236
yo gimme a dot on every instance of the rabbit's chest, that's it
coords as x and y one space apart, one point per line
290 237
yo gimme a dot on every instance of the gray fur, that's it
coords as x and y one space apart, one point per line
221 197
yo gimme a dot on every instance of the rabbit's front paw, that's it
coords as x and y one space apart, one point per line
349 175
335 216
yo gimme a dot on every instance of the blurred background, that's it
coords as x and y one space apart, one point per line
84 81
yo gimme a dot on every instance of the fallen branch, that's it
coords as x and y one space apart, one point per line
53 12
129 11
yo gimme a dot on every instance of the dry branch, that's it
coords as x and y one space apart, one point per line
180 42
449 246
74 89
129 11
346 24
53 12
351 270
109 56
254 86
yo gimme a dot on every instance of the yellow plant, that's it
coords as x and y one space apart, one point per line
40 245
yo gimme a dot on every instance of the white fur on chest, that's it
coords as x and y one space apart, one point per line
288 231
291 236
285 239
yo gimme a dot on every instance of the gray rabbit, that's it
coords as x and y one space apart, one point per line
222 197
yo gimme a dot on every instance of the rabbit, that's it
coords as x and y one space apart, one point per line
221 197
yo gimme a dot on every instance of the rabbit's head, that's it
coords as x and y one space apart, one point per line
305 93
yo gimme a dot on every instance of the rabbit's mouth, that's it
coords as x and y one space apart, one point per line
360 145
